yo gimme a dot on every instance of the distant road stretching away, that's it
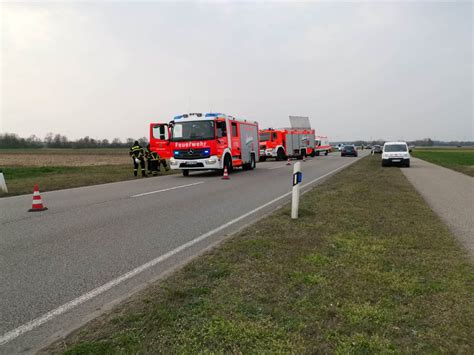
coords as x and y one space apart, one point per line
96 245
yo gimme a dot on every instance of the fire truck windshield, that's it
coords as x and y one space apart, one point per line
264 137
195 130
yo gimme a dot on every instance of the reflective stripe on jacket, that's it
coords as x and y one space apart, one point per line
136 151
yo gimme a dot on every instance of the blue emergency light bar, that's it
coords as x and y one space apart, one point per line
185 115
214 114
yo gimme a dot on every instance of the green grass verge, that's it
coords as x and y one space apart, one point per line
458 159
20 180
367 268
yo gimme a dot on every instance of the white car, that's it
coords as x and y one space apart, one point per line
395 153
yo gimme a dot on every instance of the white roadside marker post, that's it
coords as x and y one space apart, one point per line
295 196
3 184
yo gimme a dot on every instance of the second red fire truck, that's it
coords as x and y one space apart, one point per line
209 141
286 143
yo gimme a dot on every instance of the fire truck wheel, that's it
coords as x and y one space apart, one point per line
313 154
262 158
185 172
281 154
327 152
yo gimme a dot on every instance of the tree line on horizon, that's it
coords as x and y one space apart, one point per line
51 140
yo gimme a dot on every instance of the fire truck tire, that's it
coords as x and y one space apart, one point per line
185 172
262 158
281 154
313 154
327 152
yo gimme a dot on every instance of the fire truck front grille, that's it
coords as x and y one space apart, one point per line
193 153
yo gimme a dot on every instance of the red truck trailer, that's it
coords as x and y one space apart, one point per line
211 141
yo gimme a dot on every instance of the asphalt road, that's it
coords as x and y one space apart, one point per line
96 245
450 194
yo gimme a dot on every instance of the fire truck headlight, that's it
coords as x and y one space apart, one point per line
173 161
211 161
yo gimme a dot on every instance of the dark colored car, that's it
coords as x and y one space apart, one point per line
377 149
349 150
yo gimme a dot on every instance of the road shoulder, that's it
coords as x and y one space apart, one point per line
450 194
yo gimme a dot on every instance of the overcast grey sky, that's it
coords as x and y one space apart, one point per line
392 70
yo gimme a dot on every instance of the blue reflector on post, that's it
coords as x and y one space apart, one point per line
297 178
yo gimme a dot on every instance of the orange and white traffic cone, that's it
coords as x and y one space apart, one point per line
288 162
37 205
226 174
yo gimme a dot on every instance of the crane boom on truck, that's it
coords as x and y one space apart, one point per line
212 141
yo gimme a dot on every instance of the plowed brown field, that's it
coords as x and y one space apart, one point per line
63 157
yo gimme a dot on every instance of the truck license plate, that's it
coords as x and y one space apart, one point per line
396 160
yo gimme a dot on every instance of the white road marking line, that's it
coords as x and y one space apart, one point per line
168 189
9 336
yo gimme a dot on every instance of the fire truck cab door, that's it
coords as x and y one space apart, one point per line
221 134
161 140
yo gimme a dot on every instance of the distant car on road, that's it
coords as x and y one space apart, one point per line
377 149
349 150
395 153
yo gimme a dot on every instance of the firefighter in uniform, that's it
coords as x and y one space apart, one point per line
137 154
153 161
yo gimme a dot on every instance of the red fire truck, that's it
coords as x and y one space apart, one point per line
286 143
322 145
209 142
159 139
